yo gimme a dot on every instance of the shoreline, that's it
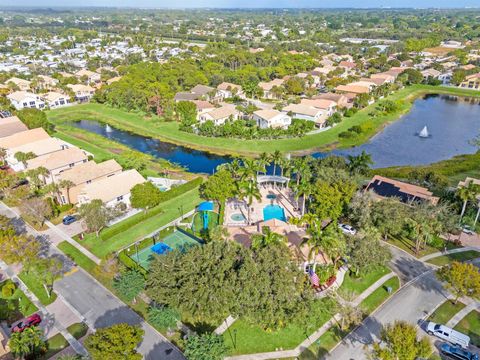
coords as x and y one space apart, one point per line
168 131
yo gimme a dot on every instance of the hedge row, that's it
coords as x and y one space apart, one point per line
130 263
137 218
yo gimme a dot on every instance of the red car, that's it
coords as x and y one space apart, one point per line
30 321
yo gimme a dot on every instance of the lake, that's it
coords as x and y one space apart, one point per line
452 122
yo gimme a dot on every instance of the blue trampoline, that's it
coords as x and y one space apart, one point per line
160 248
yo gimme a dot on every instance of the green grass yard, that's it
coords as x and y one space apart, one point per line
355 286
77 256
445 312
55 344
461 256
169 131
409 246
36 287
470 325
137 231
375 299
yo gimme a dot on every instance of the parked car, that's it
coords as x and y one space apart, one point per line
30 321
445 333
347 229
468 230
455 352
67 220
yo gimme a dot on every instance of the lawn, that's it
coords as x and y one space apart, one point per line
36 287
461 256
334 335
77 256
169 130
55 344
78 330
22 306
470 325
243 338
409 246
170 212
445 312
355 286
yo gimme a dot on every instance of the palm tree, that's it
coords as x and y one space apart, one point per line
67 185
267 238
249 169
234 167
25 343
468 193
264 161
276 158
359 164
304 190
249 190
328 241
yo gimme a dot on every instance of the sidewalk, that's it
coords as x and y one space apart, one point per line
453 251
74 343
473 305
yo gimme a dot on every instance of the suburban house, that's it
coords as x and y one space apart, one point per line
24 99
341 100
306 112
384 187
228 90
385 77
11 125
55 99
22 138
445 77
84 174
471 82
112 190
220 115
430 74
38 148
203 106
272 119
22 84
347 65
329 106
57 162
46 82
200 92
268 86
83 93
90 76
353 89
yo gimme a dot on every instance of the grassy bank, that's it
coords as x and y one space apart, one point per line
168 131
461 256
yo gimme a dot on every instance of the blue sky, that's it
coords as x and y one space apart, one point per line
247 3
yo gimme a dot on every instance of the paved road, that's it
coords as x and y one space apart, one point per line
100 308
421 293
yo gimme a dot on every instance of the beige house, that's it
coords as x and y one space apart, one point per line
268 86
111 190
55 99
23 137
91 76
471 82
84 174
46 82
229 90
329 106
386 77
11 125
341 100
272 119
203 106
306 112
22 84
39 148
353 89
220 115
58 162
83 93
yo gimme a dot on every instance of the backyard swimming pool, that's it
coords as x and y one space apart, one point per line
273 212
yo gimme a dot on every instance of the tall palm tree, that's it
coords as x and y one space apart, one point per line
67 185
25 343
328 241
466 194
249 169
478 213
267 238
249 190
359 164
276 158
234 167
305 189
264 161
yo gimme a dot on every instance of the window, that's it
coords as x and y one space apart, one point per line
25 104
63 200
32 103
71 165
120 198
89 181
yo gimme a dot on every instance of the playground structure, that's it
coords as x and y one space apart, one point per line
205 217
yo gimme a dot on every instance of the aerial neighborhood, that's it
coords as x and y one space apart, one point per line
240 184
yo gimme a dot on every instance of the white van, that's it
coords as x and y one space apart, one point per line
452 336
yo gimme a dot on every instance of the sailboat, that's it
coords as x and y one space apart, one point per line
424 133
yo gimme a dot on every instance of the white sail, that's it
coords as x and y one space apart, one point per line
424 132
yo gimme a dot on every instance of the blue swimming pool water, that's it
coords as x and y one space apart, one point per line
273 212
160 248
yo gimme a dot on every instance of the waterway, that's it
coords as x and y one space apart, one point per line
452 123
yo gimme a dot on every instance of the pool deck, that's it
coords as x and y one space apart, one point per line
284 198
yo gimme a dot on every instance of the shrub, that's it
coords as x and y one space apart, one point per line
8 290
130 263
163 318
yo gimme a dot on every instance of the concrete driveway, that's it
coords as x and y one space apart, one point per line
74 228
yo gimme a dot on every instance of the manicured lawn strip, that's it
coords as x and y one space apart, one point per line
461 256
168 130
334 335
470 325
78 330
55 344
375 299
171 211
36 287
409 246
445 312
77 256
356 286
253 339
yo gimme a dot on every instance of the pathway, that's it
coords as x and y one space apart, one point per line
472 305
47 316
452 251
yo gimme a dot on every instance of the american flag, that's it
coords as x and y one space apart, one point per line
314 278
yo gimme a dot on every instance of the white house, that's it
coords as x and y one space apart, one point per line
55 99
111 190
25 99
306 112
220 115
272 119
229 90
83 93
329 106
